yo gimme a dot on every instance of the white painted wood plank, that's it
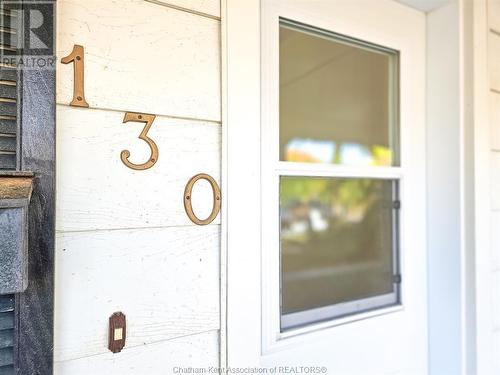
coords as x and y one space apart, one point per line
141 57
495 240
494 60
495 180
211 7
198 351
496 352
494 14
495 303
166 282
495 120
95 190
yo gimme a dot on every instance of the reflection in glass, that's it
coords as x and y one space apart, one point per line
338 95
337 240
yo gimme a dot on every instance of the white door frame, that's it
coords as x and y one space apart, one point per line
411 228
241 183
241 47
241 82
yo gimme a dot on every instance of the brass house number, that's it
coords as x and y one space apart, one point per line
125 154
77 57
188 197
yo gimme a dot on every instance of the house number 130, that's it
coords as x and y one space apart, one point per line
77 57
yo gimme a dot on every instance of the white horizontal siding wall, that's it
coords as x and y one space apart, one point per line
154 359
142 57
124 242
487 104
96 191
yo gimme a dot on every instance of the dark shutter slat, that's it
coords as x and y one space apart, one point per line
7 370
8 109
8 143
8 36
10 22
8 74
6 320
8 39
6 356
8 161
8 127
6 338
7 19
6 303
7 50
8 89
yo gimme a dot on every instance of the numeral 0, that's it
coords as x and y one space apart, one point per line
188 195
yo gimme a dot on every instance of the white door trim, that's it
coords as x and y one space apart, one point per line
241 182
241 43
272 339
241 125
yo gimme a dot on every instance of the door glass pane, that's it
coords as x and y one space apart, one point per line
338 99
338 243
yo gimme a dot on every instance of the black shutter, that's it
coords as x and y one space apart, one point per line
9 161
8 119
9 92
7 335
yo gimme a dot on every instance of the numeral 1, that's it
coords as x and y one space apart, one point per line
77 57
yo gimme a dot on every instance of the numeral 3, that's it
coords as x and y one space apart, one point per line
125 154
